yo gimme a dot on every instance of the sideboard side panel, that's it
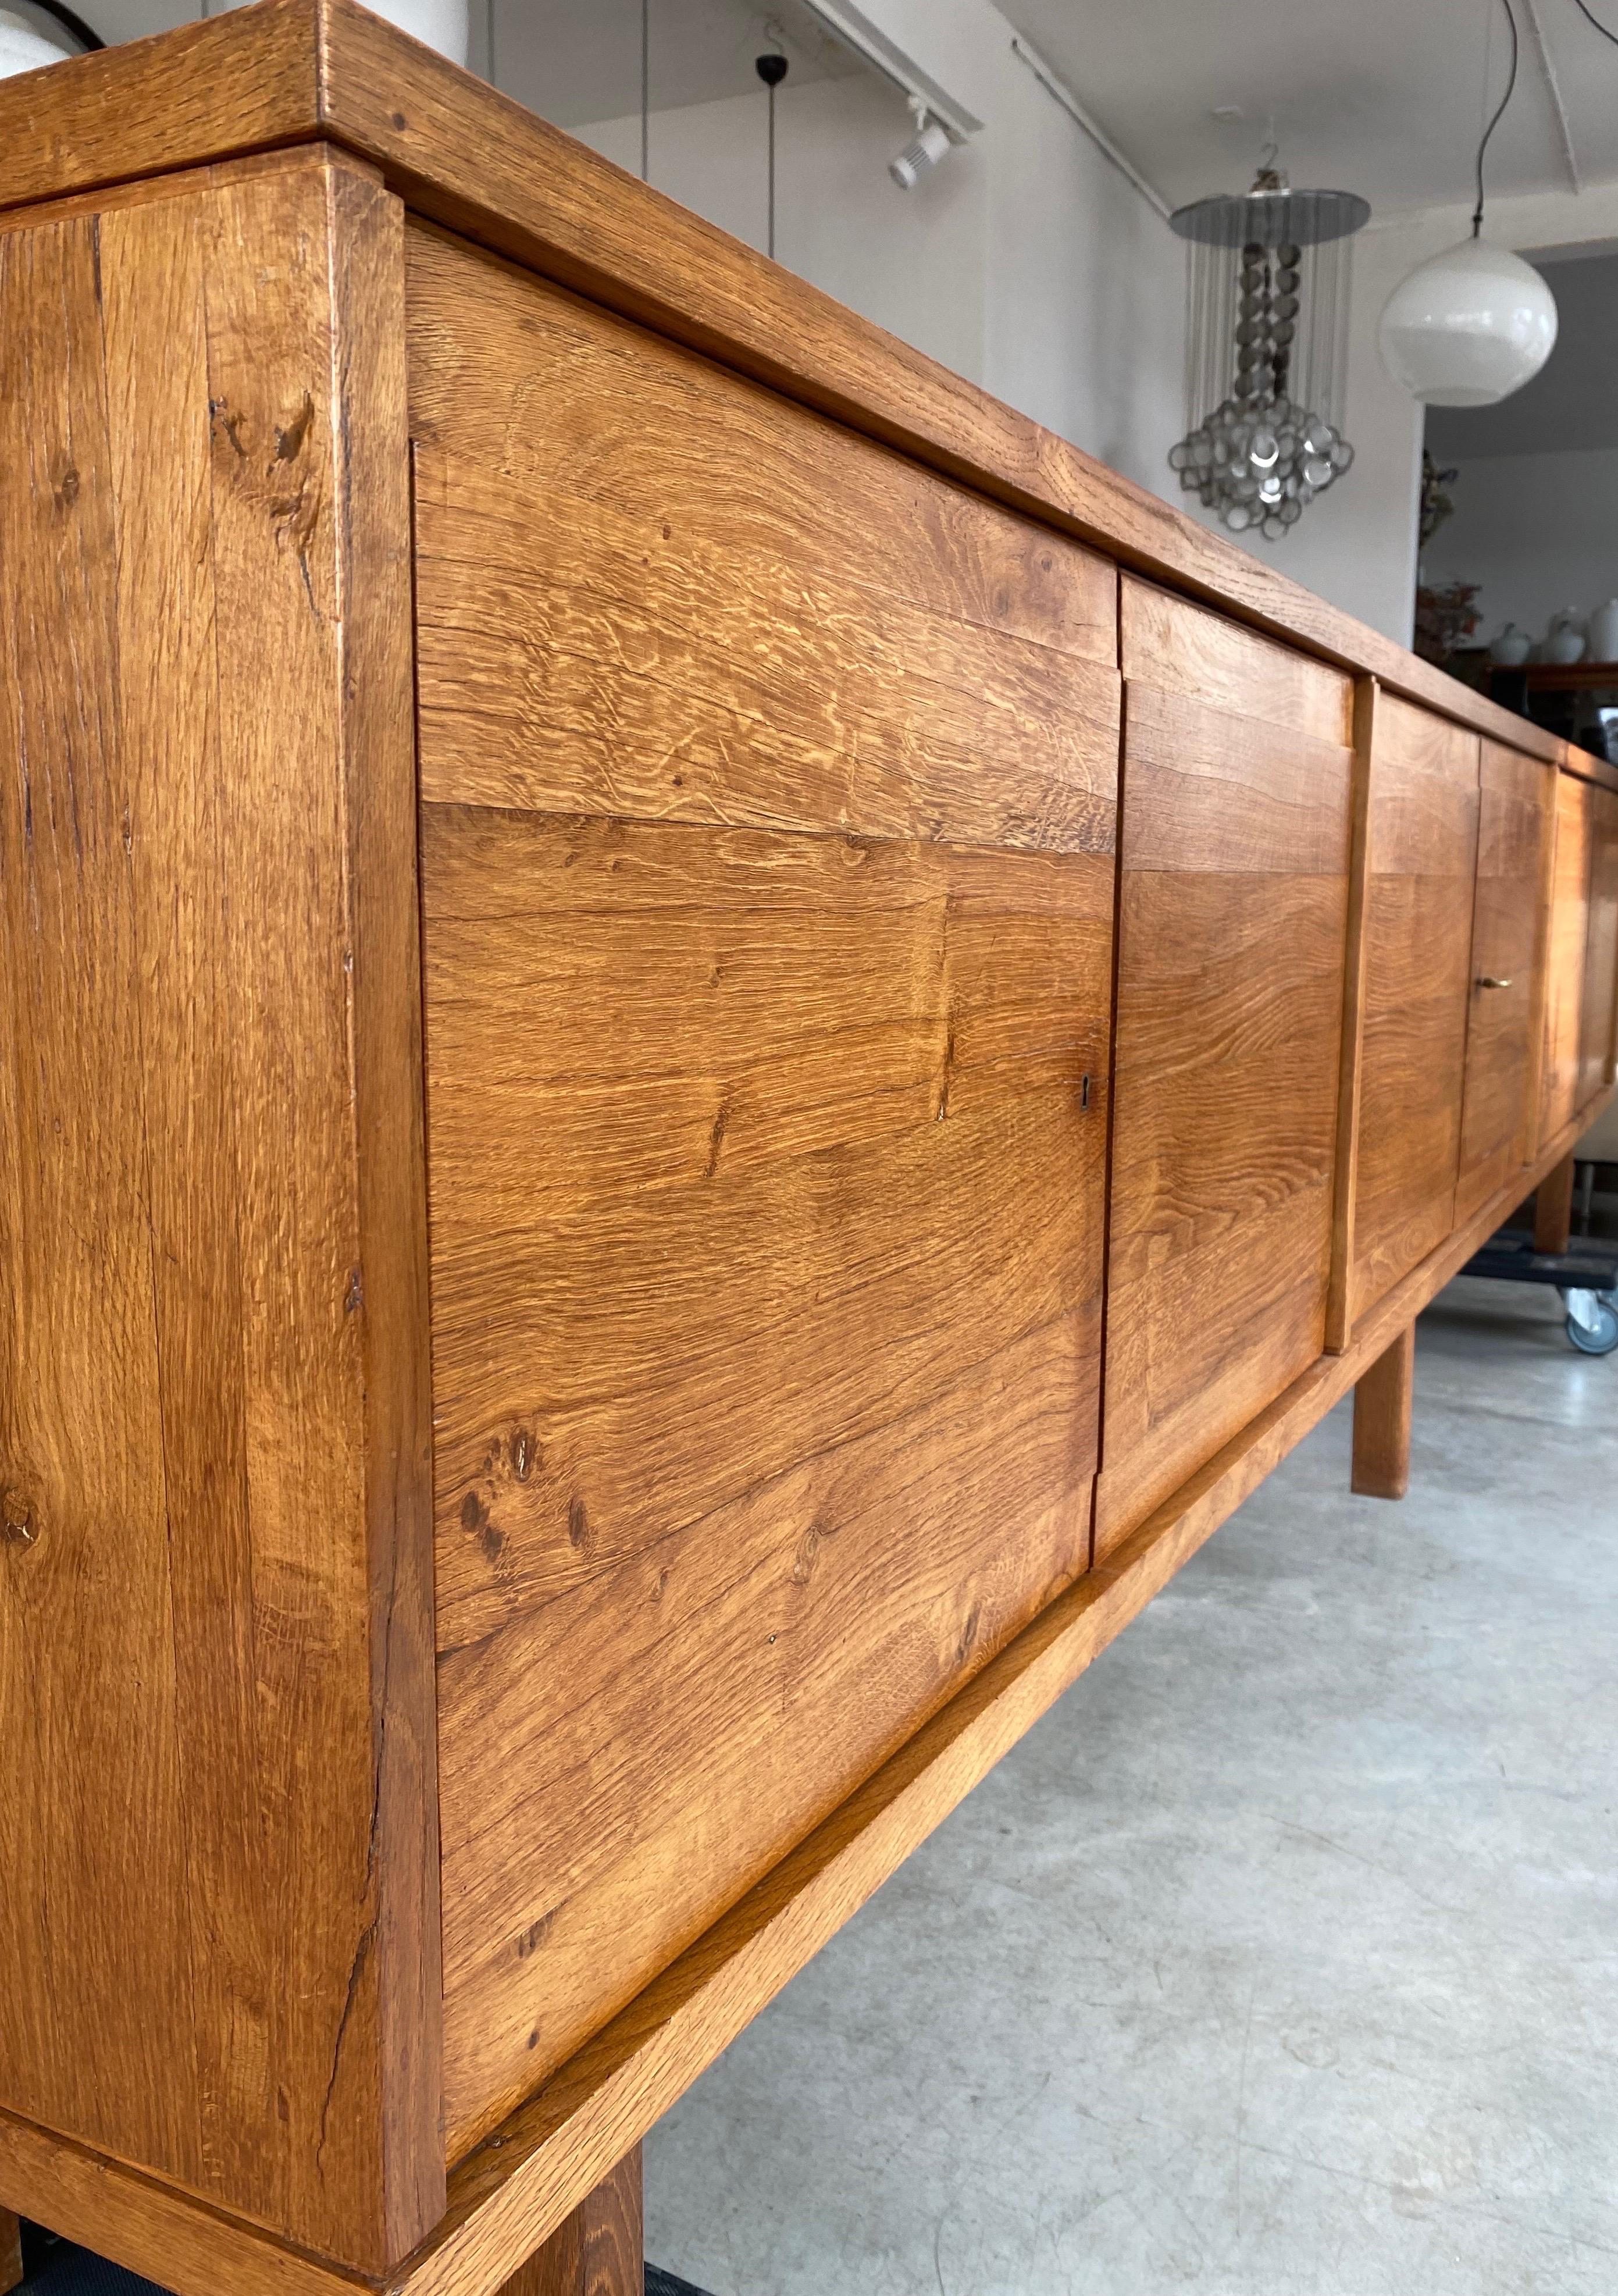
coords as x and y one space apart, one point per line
219 1959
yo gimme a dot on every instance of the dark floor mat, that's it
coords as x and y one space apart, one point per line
56 2268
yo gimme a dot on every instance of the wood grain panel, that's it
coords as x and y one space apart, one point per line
1231 937
491 347
217 1835
1422 835
515 2189
1515 820
1169 645
1599 1014
1568 947
678 599
765 1184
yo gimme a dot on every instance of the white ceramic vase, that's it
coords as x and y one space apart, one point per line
1603 632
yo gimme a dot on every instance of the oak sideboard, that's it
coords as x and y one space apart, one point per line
703 1048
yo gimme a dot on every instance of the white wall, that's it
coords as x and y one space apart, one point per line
1026 261
1084 304
911 261
1538 531
1029 264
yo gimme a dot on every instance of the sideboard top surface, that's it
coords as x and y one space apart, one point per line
458 152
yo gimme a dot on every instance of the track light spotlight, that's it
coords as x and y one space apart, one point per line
924 149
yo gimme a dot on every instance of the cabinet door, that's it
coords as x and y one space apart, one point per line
1601 948
1232 926
1421 855
1515 820
767 885
1568 947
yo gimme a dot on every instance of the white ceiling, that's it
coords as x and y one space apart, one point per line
1380 96
578 60
1384 97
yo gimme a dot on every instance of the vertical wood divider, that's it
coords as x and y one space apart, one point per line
1339 1304
1533 1114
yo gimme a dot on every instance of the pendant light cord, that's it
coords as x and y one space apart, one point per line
646 91
1592 18
1477 213
771 70
70 21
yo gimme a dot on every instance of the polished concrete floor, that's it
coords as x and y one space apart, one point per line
1281 1959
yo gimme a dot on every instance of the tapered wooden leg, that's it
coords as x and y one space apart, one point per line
1382 1421
601 2248
11 2252
1553 1208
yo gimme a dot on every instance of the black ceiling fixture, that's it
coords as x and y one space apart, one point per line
771 70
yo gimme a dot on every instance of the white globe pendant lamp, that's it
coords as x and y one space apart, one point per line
1476 322
23 49
442 24
1470 326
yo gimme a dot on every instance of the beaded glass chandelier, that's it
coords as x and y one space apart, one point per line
1267 293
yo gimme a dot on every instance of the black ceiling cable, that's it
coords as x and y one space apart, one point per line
69 22
1477 213
1596 21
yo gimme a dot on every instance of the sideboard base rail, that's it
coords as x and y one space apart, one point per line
522 2182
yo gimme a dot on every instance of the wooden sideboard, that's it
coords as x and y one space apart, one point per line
704 1048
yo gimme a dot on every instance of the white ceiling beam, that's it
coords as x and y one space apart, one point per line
1055 86
1553 88
856 30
